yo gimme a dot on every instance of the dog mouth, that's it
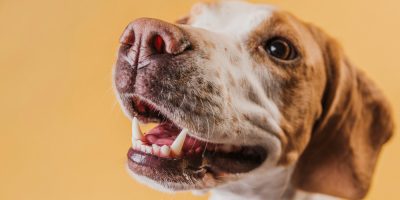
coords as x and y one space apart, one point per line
171 153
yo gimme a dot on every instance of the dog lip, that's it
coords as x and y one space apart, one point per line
150 160
217 163
131 103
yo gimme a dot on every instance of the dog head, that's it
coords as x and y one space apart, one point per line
238 88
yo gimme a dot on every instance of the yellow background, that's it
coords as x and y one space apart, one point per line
62 134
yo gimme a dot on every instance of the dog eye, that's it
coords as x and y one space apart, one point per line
280 48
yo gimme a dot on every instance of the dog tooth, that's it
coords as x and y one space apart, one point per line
176 146
156 149
148 149
143 148
164 151
136 132
138 144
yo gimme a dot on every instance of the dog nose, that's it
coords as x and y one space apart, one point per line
147 37
141 42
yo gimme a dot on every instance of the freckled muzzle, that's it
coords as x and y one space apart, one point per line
157 80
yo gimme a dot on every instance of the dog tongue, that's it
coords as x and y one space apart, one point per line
165 134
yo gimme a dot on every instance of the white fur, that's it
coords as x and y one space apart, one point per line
301 195
265 184
232 17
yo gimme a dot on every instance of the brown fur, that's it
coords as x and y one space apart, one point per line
356 121
333 117
298 83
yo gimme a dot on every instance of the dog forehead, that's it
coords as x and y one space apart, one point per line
236 18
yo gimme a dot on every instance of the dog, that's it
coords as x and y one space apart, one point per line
251 103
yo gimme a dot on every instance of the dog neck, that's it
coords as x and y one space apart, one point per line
263 185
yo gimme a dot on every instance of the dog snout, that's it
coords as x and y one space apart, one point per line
141 41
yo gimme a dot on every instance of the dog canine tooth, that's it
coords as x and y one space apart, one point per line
176 146
136 132
164 151
156 149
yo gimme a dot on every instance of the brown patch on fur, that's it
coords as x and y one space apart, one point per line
333 117
355 123
292 80
280 24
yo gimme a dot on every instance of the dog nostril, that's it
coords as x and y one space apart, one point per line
159 44
128 39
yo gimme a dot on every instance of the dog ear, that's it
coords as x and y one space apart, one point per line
345 143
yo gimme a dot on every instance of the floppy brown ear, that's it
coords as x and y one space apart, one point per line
345 143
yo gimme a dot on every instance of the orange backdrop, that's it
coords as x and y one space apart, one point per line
62 134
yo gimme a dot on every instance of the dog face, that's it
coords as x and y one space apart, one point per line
238 89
